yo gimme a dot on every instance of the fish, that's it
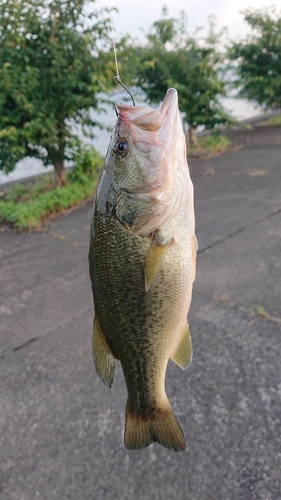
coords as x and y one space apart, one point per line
142 261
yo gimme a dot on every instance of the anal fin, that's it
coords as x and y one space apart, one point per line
183 353
105 361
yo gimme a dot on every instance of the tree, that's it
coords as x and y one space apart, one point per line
172 58
50 73
258 58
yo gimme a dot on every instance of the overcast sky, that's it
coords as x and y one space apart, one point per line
136 14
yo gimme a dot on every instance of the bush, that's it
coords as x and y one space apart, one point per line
215 142
26 205
87 162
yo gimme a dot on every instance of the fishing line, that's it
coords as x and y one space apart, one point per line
117 77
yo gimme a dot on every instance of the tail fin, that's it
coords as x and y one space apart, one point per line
161 427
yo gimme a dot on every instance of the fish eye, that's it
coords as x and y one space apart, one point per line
121 147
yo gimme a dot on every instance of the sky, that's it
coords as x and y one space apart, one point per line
136 14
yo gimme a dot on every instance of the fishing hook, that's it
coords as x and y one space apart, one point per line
116 62
124 86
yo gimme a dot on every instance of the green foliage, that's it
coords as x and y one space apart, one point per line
87 161
258 58
30 215
26 205
53 62
16 191
172 58
213 143
214 140
274 120
29 190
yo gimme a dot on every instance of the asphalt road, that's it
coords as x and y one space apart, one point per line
62 429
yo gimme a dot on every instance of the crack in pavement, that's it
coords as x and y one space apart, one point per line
50 330
240 230
18 347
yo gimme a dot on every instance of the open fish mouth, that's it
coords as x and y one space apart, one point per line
148 119
154 128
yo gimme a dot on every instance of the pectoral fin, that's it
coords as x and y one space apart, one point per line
154 261
183 353
105 361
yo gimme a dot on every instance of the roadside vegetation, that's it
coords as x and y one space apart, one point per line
26 205
272 121
208 145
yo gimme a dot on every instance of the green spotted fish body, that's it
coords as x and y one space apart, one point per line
142 266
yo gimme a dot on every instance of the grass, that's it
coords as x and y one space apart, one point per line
26 205
213 143
30 190
274 120
260 311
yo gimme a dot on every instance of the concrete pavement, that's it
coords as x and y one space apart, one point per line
62 429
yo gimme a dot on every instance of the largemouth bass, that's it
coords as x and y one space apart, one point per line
142 265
